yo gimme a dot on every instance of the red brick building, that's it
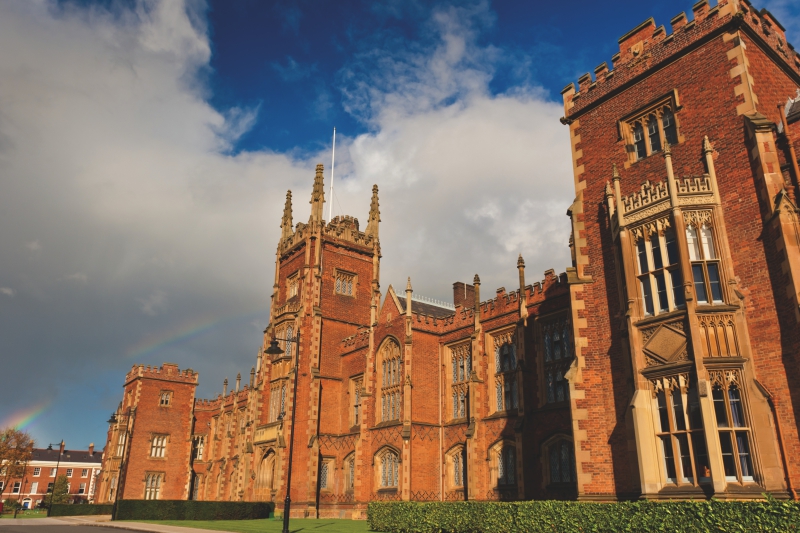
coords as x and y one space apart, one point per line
659 365
81 468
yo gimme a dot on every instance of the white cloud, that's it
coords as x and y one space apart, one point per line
33 246
111 155
7 291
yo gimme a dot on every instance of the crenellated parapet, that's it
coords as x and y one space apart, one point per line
165 372
647 47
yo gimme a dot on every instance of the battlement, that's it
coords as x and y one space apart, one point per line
166 372
647 46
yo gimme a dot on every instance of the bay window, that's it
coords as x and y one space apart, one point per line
705 264
660 280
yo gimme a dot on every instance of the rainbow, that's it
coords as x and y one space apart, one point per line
26 416
188 330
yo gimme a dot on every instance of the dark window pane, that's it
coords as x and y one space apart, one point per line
737 414
661 287
713 281
727 455
669 457
695 414
638 141
642 253
647 294
662 412
655 244
677 410
677 286
743 444
685 457
719 407
672 247
670 130
652 132
555 465
699 283
701 456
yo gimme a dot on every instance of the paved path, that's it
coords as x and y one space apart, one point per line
86 524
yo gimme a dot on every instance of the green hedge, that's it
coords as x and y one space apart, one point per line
560 516
191 510
63 509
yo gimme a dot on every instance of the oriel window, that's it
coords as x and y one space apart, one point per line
705 264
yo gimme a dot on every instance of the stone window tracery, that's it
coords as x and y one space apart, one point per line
679 430
461 367
350 472
732 425
706 269
292 285
647 130
356 384
152 485
505 365
158 446
560 456
658 267
391 381
557 358
345 283
389 469
326 469
277 400
456 462
505 459
165 398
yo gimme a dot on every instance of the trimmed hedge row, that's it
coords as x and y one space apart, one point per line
561 516
83 509
191 510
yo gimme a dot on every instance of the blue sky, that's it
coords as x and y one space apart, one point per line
146 147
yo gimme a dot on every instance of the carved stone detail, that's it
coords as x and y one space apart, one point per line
649 194
694 185
696 200
670 383
725 378
646 230
697 219
719 333
664 344
647 212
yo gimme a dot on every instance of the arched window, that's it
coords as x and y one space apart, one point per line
389 465
653 134
705 265
461 368
560 461
391 382
289 332
505 362
670 129
732 425
506 458
556 360
350 472
638 141
456 462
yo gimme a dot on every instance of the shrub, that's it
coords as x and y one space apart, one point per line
191 510
61 509
560 516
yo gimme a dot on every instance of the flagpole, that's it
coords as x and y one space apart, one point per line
333 161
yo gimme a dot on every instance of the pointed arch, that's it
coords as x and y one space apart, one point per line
389 369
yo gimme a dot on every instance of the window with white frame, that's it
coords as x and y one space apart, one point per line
391 382
50 487
658 263
2 486
69 472
345 283
165 398
506 458
292 285
35 487
82 488
679 430
326 468
461 359
84 472
706 269
556 360
15 487
158 446
505 365
152 485
53 471
389 469
37 471
732 425
198 445
277 400
120 447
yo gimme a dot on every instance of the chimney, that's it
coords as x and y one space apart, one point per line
463 294
91 448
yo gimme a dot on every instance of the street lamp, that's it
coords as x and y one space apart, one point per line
273 350
58 462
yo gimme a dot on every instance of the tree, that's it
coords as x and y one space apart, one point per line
60 490
16 448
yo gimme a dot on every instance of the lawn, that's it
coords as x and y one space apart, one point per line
270 525
25 514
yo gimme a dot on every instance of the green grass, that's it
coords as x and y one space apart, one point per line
25 514
270 525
